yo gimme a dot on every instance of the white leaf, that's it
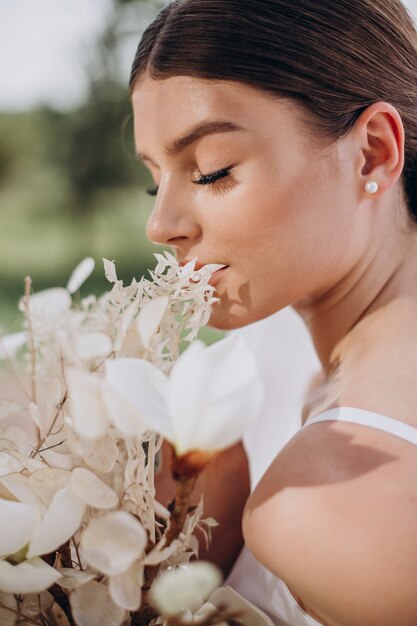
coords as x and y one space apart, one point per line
170 257
10 344
80 274
100 454
50 302
47 481
9 464
126 588
73 578
18 485
87 410
157 555
35 603
60 522
92 490
112 542
35 414
8 407
124 325
185 587
18 524
91 605
20 438
251 615
27 577
92 345
150 317
53 396
110 271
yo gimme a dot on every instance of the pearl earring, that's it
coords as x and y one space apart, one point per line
371 186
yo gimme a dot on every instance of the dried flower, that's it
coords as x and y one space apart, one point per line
103 385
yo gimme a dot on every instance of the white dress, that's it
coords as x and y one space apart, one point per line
287 361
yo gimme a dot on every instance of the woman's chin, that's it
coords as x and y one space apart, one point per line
224 319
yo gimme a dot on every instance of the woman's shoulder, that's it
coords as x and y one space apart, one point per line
340 498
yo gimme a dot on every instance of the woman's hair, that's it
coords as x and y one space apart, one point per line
333 57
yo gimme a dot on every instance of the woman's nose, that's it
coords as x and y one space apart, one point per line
170 221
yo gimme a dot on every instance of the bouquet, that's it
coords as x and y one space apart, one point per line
89 390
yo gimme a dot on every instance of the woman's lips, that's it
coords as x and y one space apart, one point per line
216 276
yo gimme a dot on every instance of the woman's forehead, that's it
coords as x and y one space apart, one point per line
179 103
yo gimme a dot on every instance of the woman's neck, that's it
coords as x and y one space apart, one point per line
386 272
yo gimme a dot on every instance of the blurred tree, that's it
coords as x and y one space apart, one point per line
95 143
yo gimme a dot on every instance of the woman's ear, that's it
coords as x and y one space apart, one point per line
380 136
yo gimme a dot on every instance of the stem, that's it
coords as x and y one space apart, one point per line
61 598
184 489
28 284
37 449
179 509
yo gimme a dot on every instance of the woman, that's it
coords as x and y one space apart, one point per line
282 137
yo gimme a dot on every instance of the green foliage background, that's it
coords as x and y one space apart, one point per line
70 185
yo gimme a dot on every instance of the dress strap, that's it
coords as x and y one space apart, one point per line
367 418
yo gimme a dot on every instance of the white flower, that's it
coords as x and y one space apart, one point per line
80 274
185 587
31 530
211 396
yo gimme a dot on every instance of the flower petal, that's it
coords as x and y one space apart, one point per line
227 395
122 412
187 393
18 525
112 542
60 522
92 490
80 274
145 387
91 605
27 577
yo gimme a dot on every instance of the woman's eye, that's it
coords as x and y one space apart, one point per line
205 179
210 179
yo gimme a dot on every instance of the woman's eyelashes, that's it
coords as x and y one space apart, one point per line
215 178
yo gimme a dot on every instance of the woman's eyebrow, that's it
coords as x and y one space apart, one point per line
201 130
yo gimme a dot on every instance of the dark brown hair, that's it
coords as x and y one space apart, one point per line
334 57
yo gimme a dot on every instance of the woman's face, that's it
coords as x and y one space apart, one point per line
278 208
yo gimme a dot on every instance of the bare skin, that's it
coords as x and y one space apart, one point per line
294 223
